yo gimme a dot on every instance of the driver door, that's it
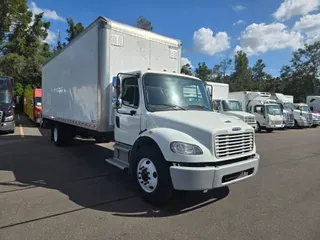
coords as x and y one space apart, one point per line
127 120
259 112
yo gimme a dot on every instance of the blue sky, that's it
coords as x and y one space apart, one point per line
209 30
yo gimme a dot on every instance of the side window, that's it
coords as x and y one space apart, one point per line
130 92
216 104
257 109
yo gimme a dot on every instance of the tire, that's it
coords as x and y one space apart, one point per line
60 135
258 127
150 160
269 130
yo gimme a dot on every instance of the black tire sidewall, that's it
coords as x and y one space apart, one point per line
164 189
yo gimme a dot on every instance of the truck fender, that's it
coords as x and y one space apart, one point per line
162 137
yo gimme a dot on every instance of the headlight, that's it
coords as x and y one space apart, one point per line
7 119
185 148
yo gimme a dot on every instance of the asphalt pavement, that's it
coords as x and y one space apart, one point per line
72 193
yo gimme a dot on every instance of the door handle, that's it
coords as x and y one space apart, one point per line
133 112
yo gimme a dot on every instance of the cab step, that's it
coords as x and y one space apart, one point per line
118 163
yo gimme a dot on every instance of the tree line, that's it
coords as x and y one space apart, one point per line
299 78
23 51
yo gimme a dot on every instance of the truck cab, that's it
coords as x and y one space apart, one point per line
33 104
286 107
305 115
231 107
7 105
267 112
163 130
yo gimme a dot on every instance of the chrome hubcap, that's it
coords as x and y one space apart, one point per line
147 175
55 134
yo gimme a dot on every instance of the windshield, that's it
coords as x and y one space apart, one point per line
305 108
168 92
289 105
38 101
5 97
231 105
273 109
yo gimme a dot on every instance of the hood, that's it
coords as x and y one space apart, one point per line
239 114
4 106
201 125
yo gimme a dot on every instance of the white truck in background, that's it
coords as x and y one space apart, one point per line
314 103
287 109
302 115
101 85
223 104
267 111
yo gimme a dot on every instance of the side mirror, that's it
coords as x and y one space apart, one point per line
209 90
116 100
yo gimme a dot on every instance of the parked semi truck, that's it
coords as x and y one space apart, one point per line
287 109
305 113
33 104
123 83
267 112
7 105
223 104
302 115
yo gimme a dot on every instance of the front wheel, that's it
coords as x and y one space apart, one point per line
152 175
269 130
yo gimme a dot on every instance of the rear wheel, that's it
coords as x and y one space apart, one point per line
60 135
152 175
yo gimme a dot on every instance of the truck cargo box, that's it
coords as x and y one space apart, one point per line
219 90
76 83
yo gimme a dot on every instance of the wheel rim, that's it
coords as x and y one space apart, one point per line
147 175
55 134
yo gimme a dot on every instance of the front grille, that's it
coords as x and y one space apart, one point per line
233 144
309 117
276 122
290 117
1 114
249 119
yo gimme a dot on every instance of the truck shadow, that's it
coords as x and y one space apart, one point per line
80 172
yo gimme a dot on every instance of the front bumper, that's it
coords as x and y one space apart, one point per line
254 125
289 124
275 126
205 178
7 126
315 122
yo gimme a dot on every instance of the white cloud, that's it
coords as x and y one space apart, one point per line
238 22
260 38
238 8
291 8
51 38
310 25
185 61
48 14
205 42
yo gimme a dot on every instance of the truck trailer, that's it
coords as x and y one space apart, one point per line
223 104
124 84
266 110
32 104
7 105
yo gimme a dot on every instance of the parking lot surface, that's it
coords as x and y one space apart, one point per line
71 193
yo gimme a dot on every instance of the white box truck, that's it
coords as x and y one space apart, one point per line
267 111
302 115
287 109
223 104
100 85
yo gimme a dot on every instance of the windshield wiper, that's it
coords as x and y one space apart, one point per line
198 106
176 107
